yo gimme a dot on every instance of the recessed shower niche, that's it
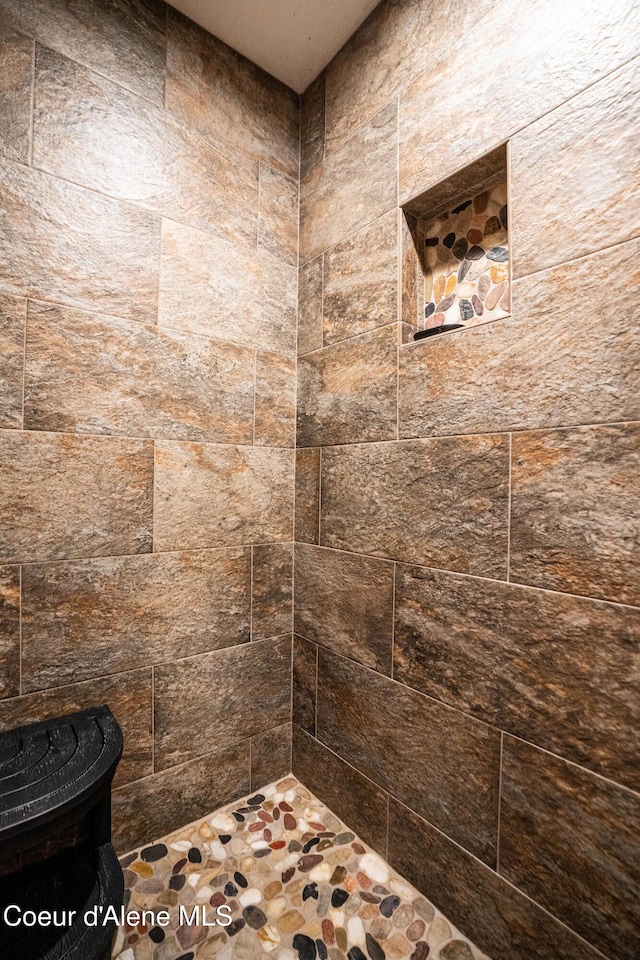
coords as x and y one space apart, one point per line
455 270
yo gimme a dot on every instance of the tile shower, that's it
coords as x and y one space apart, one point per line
448 526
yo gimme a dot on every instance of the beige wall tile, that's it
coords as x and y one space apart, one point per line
278 214
270 755
307 519
310 306
16 79
9 631
312 121
272 590
275 404
13 312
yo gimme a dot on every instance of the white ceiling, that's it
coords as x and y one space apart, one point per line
291 39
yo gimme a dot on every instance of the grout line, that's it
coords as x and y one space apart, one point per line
356 336
393 616
251 594
126 437
24 363
509 511
32 107
499 803
351 233
319 495
315 700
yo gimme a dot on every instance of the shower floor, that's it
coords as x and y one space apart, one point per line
298 883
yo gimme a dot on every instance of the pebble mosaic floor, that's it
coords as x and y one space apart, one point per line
298 883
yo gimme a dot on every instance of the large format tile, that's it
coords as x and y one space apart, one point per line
66 496
16 79
575 504
275 400
441 503
224 290
215 699
9 631
526 661
345 603
305 676
270 755
96 374
278 214
312 120
307 519
536 368
224 95
310 279
209 495
570 840
61 242
13 311
128 695
442 763
581 165
272 590
348 392
503 922
354 185
88 618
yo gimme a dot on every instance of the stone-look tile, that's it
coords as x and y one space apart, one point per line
61 242
128 695
345 603
444 764
88 618
526 661
210 701
9 631
278 214
305 674
441 502
348 392
355 799
535 368
123 40
12 326
413 270
196 483
96 374
312 126
361 281
575 503
223 290
272 590
275 400
66 496
569 840
307 519
527 67
310 306
99 135
218 91
147 808
355 184
270 755
16 79
580 164
506 924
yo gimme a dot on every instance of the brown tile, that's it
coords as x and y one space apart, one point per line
16 78
66 496
345 603
278 214
361 281
569 840
123 40
526 661
88 618
355 184
195 483
580 164
272 590
224 290
218 91
305 674
356 800
412 307
310 306
347 393
275 402
574 507
61 242
209 701
152 807
270 756
128 695
307 519
441 502
88 373
503 922
443 763
535 368
9 631
12 326
312 125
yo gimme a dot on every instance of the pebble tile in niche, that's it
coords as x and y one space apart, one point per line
298 883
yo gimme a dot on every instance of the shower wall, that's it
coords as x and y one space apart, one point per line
466 568
148 282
